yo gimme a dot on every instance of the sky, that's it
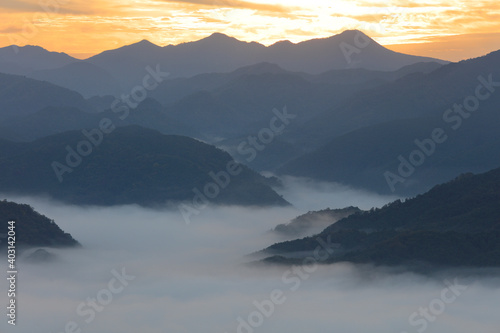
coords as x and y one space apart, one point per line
448 29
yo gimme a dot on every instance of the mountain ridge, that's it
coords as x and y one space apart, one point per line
128 165
453 224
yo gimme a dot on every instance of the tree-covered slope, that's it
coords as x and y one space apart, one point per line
457 223
21 96
129 165
31 228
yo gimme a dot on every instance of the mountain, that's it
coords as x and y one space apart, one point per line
221 53
54 120
350 49
85 78
21 96
129 165
59 69
411 96
175 89
221 108
361 75
32 228
313 222
128 64
120 70
380 128
217 53
454 224
48 121
26 59
225 108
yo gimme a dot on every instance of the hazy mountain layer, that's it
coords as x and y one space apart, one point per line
132 165
454 224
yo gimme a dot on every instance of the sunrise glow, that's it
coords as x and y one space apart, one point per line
440 28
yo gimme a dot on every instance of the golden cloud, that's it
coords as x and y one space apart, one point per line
105 24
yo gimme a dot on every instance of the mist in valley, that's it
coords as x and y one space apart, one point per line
148 271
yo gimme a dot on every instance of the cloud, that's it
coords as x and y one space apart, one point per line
453 48
194 279
10 30
236 4
19 6
307 194
50 7
105 24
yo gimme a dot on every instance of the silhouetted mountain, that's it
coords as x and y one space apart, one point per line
54 120
85 78
214 54
130 165
32 228
48 121
30 58
221 53
350 49
128 63
361 75
176 89
395 115
412 96
454 224
224 106
232 106
22 96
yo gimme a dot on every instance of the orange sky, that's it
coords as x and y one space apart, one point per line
447 29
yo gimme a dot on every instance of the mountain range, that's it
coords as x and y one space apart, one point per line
356 122
130 165
378 130
454 224
118 71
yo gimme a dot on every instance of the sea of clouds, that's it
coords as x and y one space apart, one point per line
148 271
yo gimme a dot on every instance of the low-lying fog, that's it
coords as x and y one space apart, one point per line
192 278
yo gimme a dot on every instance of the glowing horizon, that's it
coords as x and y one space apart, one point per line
449 29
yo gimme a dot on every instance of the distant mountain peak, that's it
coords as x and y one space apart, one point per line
351 32
350 35
219 37
283 43
144 44
34 49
